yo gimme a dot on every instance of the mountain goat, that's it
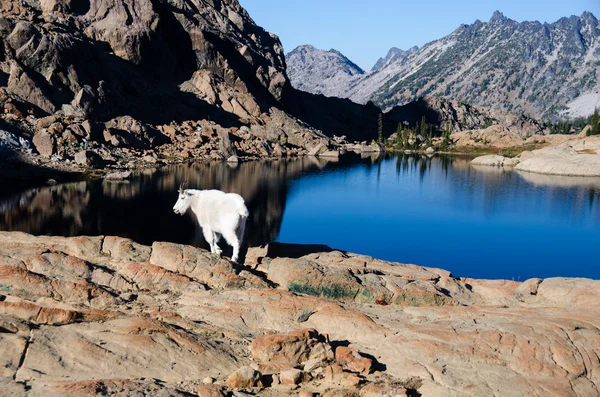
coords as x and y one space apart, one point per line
219 214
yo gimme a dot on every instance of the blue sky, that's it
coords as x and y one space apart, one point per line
364 32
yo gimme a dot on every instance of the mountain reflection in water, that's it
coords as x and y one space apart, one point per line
141 208
440 211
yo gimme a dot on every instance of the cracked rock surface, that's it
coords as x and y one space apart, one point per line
107 316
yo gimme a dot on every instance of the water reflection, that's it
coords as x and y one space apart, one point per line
434 211
140 208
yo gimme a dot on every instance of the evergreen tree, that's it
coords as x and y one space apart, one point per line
595 123
424 129
380 128
446 140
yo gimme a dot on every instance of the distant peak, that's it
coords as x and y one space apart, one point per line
588 15
498 17
393 54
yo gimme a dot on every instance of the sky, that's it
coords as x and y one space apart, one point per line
365 31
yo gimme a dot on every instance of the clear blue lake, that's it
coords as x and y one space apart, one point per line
437 212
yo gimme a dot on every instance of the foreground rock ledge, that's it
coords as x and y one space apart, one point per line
106 316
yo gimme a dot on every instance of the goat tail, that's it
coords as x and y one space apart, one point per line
243 212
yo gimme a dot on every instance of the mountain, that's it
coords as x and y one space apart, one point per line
321 72
394 55
545 70
128 79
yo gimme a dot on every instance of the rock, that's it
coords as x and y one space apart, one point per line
353 361
21 84
495 161
89 127
226 147
293 377
233 159
149 159
381 390
243 378
111 136
208 390
10 108
79 130
578 157
313 363
335 374
181 314
45 122
88 158
117 175
56 128
318 149
44 143
294 347
84 101
373 148
330 154
430 150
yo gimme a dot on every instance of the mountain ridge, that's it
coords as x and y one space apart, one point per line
541 69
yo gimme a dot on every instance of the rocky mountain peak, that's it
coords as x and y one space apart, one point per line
498 16
320 71
394 54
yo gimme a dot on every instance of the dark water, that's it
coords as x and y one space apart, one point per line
440 212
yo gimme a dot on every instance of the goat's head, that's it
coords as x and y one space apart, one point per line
184 200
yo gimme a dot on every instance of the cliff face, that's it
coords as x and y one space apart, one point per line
191 79
106 58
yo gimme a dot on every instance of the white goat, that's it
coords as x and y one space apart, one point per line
219 214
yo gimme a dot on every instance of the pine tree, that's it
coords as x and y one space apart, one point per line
446 140
380 128
595 123
424 129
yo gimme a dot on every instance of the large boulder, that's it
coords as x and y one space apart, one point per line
353 361
243 378
88 158
495 161
295 347
44 143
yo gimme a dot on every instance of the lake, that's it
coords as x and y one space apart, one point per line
438 212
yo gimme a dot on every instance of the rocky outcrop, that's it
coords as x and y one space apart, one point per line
144 83
146 80
454 116
492 160
576 157
105 315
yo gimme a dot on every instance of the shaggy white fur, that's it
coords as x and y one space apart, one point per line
219 214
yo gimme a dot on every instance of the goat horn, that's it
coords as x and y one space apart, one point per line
182 186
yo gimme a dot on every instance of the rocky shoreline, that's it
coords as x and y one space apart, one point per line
105 315
579 157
